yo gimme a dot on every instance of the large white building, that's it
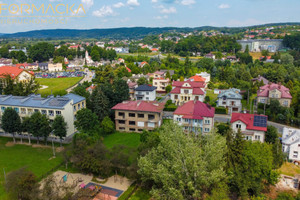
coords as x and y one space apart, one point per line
67 106
291 143
145 93
261 44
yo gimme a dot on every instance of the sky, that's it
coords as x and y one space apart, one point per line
147 13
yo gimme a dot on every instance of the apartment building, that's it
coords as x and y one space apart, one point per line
230 99
274 91
161 84
55 67
184 91
67 106
195 116
136 116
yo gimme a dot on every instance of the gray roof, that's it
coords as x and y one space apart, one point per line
145 88
231 93
36 101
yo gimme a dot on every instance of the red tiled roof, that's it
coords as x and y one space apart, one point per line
196 86
264 90
146 106
132 85
12 71
247 119
192 83
129 70
197 78
195 110
91 87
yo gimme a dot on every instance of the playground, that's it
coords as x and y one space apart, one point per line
110 190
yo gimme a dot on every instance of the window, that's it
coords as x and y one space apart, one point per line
17 110
151 125
147 98
83 104
74 108
141 124
44 112
132 129
186 120
206 130
285 103
132 123
295 154
51 113
58 112
176 96
257 137
238 126
121 114
140 115
121 121
207 121
78 106
186 91
262 101
273 96
121 128
3 109
151 117
179 119
140 130
247 137
147 93
131 114
36 110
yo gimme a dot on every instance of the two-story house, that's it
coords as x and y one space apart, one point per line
230 99
195 116
136 116
252 126
15 73
157 74
291 144
67 106
145 93
184 91
161 84
55 67
274 91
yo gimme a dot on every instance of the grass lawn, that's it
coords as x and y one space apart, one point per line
18 156
127 139
213 97
244 102
57 84
289 169
140 194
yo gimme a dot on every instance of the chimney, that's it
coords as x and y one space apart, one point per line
279 85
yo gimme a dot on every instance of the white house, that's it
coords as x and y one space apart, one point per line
230 99
145 93
205 75
291 143
252 126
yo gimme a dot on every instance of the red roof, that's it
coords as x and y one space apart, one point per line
197 78
146 106
91 87
247 119
264 90
129 70
196 86
154 49
195 110
12 71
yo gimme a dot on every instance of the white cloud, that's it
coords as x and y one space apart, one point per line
104 11
119 5
168 10
154 1
161 17
87 3
133 3
188 2
224 6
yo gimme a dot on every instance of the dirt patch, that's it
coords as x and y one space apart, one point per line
11 144
41 146
59 149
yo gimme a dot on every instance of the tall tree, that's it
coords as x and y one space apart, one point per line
86 120
59 127
100 104
39 126
11 122
41 52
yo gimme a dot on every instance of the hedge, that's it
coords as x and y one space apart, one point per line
170 108
221 110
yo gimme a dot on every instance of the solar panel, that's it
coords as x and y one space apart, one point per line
260 121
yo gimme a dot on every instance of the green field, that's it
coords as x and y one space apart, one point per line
56 84
127 139
18 156
213 97
140 194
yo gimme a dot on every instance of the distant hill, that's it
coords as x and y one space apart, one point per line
123 33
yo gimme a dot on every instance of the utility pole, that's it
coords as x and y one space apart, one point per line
53 148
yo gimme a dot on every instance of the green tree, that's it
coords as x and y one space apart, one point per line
59 127
287 59
4 52
86 120
11 122
21 57
39 126
100 104
25 126
185 167
41 52
142 81
108 125
95 55
271 134
168 88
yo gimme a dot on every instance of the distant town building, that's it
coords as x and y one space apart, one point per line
57 67
195 116
136 116
252 126
161 84
261 44
43 66
91 88
259 79
230 99
145 92
274 91
132 86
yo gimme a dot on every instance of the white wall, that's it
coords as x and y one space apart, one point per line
151 96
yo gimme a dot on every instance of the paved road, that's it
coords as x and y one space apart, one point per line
87 78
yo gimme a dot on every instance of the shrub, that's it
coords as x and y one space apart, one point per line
170 108
220 110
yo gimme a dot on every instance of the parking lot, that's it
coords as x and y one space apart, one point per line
59 74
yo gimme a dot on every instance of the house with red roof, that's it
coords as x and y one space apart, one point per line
154 50
252 126
16 73
136 116
91 88
197 78
184 91
274 91
195 116
157 74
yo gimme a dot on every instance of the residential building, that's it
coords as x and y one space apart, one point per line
16 73
291 143
55 67
43 66
230 99
210 55
184 91
205 75
195 116
252 126
261 44
91 88
161 84
136 116
259 79
67 106
132 86
171 72
157 74
274 91
145 92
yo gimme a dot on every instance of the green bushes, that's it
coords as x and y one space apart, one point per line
169 106
221 110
